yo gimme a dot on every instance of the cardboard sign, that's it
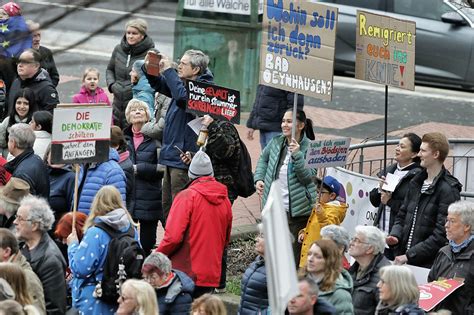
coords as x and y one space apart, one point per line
298 44
385 50
433 293
327 153
81 134
219 102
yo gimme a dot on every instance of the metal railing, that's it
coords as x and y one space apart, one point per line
369 163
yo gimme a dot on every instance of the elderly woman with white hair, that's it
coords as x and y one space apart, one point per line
341 237
456 260
146 196
398 292
367 247
174 289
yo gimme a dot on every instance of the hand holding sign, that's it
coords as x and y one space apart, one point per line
152 63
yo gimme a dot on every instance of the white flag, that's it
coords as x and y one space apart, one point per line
279 260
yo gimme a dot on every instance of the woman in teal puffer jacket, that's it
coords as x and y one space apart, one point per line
283 159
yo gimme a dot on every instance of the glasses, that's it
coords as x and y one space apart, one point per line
25 62
21 219
151 278
357 240
325 192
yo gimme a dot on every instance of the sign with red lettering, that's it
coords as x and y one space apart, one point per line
327 153
81 134
217 101
431 294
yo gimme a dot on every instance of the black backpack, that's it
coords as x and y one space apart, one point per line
244 176
124 261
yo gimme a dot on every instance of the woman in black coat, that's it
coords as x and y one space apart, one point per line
147 191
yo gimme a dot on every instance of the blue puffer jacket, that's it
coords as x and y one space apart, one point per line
146 194
98 175
254 298
61 190
176 299
176 132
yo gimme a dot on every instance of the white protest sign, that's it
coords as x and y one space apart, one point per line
327 153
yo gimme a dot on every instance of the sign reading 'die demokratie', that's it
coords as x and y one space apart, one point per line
385 50
81 134
220 102
242 7
298 42
327 153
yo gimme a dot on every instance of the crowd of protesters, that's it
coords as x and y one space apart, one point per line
156 171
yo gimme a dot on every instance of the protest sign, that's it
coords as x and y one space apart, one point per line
385 50
433 293
242 7
298 43
327 153
81 134
219 102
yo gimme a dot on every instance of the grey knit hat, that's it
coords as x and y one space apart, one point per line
137 67
6 291
200 166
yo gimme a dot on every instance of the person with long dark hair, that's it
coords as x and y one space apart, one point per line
283 159
42 125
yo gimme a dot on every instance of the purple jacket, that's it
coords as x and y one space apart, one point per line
85 97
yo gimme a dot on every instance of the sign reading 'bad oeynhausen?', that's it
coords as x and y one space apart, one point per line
297 53
81 134
385 50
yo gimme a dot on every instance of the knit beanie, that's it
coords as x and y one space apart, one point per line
137 67
200 166
12 8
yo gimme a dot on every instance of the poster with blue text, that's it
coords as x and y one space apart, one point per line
298 42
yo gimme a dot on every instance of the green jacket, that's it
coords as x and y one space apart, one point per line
302 190
340 297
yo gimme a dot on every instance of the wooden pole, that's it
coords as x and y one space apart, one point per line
76 188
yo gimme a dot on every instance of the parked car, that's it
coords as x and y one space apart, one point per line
444 52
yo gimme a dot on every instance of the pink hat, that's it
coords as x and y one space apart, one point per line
12 8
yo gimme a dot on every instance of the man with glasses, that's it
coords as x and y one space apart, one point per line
33 220
367 247
31 75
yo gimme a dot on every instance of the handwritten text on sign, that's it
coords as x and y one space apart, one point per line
297 52
385 50
220 102
326 153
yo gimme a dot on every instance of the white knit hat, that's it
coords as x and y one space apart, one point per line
200 166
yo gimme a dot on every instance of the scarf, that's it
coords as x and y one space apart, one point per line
456 248
137 138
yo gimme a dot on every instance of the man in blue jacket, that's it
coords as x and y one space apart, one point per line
192 66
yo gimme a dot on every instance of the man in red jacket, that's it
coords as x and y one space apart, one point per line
198 227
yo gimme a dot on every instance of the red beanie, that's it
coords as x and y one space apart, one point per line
12 8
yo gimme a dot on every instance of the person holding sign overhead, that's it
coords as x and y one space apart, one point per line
283 159
192 66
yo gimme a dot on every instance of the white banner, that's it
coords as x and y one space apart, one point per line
242 7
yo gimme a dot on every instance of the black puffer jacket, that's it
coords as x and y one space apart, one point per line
45 93
270 106
460 265
29 167
48 64
254 297
429 234
365 296
397 196
147 192
118 74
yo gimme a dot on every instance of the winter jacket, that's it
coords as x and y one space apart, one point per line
302 190
85 97
432 208
48 64
42 141
365 296
254 296
46 95
147 191
118 74
49 265
223 148
35 288
144 92
332 212
127 167
29 167
460 265
98 175
61 190
197 230
270 106
176 131
398 194
176 299
87 259
5 129
408 309
340 296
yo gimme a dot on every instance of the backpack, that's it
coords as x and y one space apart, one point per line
124 261
244 177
